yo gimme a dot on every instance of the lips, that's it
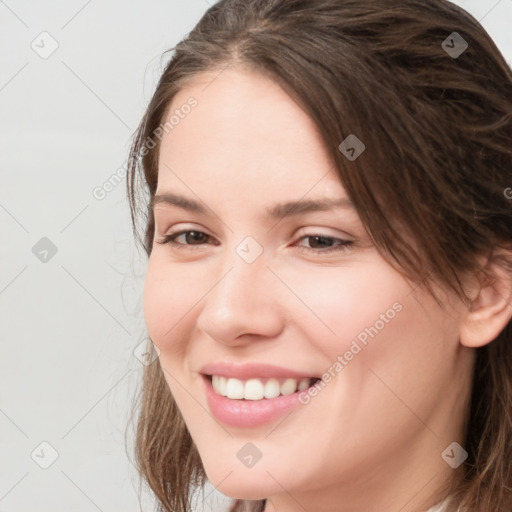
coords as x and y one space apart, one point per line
258 410
248 371
248 413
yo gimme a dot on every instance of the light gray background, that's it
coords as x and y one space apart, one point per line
69 325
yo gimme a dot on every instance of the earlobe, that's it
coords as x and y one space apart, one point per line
491 303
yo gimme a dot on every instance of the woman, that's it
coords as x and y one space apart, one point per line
329 283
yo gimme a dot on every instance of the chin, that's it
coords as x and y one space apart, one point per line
242 484
245 491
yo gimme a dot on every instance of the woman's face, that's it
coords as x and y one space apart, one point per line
246 287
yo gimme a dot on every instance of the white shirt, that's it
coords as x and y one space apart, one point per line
440 507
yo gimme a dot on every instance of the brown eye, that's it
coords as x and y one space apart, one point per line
325 244
191 237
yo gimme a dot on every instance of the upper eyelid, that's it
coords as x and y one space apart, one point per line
162 212
305 233
165 224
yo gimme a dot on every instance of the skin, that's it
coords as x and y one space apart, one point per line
372 439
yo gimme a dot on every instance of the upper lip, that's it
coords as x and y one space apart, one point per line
252 370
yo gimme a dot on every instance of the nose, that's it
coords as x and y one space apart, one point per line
243 304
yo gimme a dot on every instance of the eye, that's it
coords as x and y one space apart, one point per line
322 241
324 244
196 236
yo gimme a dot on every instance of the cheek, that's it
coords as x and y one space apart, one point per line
396 346
346 304
373 320
168 297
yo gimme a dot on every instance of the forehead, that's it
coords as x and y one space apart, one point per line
245 131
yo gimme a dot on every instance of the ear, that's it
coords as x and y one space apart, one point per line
491 301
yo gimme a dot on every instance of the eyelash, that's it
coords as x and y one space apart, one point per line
342 246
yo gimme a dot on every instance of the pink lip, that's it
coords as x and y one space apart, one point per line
248 413
252 370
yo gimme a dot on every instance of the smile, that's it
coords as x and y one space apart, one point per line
253 402
258 388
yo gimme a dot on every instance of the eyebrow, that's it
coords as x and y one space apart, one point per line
278 211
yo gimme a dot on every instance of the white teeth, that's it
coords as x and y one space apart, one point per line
235 388
288 387
219 383
272 388
304 384
257 389
253 389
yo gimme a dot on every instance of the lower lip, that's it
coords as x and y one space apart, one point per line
248 413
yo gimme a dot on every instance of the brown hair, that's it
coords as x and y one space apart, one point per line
438 135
